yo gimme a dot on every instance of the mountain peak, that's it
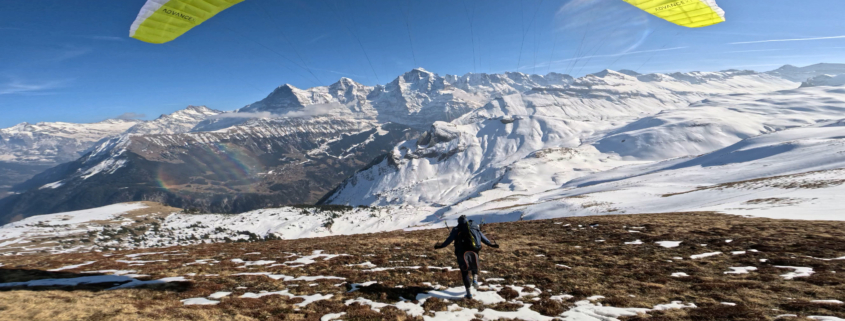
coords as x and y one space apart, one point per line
197 108
629 72
345 82
285 88
608 72
418 72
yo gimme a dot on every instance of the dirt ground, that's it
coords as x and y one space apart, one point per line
579 256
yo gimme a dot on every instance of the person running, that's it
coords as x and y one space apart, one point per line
468 238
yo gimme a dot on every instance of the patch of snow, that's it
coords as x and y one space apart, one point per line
332 316
250 263
137 283
219 295
797 272
825 318
70 267
674 305
199 301
53 185
827 301
288 278
308 299
367 264
561 298
457 293
703 255
356 286
669 244
741 270
306 260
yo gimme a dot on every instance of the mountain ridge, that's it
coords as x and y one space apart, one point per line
360 123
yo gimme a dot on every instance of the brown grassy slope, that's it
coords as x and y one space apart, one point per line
547 254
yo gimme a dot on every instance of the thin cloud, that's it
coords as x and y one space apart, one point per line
242 115
624 53
339 72
131 116
103 38
70 53
18 87
787 40
307 111
761 50
313 110
318 38
557 63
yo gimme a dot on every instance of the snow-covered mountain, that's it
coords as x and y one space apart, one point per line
416 98
295 145
613 142
457 160
53 143
58 142
770 154
801 74
825 80
26 149
181 121
262 162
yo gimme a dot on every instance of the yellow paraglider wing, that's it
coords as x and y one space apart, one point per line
687 13
161 21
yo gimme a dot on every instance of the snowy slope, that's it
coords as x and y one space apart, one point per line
756 154
301 142
51 143
489 134
181 121
458 160
795 174
825 80
720 121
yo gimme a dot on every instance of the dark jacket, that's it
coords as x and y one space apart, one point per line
455 236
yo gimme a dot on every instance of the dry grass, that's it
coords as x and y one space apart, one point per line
626 275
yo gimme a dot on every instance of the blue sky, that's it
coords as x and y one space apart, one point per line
73 61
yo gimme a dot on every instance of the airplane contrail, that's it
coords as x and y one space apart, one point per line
785 40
